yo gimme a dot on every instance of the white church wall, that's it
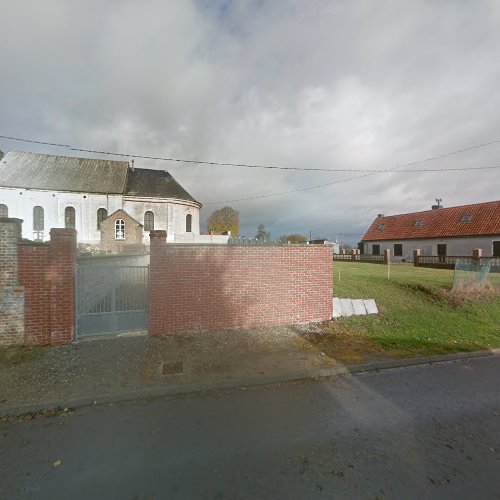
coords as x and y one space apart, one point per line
20 203
169 215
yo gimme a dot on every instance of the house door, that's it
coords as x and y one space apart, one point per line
442 252
496 249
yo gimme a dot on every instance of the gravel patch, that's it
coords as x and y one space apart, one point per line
101 366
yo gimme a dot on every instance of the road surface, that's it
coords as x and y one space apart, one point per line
425 431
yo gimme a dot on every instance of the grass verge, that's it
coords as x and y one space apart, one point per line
419 314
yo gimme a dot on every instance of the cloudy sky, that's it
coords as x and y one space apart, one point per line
311 84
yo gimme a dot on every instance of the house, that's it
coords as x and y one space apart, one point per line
441 231
47 191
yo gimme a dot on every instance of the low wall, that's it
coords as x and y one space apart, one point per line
203 288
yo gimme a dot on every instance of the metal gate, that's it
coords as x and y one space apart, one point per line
111 299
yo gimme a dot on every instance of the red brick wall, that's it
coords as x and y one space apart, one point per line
207 288
33 275
47 273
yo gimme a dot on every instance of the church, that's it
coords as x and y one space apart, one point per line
110 203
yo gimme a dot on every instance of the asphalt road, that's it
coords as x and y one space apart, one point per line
425 431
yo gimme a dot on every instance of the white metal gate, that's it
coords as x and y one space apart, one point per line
111 298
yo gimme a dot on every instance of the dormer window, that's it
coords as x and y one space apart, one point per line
419 223
380 227
466 218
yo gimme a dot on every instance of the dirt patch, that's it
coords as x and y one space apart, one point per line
339 342
14 355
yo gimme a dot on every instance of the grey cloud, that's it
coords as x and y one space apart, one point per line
325 83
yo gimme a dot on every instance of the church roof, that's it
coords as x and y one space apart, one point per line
86 175
154 183
62 173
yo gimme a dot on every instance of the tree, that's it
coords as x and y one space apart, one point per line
225 219
262 234
293 238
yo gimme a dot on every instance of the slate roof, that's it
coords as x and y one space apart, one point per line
155 183
440 223
62 173
86 175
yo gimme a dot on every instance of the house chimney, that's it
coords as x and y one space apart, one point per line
438 206
380 215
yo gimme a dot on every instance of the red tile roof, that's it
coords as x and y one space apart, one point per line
443 222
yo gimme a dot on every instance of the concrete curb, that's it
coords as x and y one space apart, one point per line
224 385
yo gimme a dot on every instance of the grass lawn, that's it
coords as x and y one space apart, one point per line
418 313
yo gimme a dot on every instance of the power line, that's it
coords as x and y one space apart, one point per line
370 171
275 167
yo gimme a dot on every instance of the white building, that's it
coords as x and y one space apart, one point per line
454 231
47 191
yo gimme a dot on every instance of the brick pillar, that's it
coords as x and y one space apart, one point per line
157 319
11 292
477 253
62 285
416 257
387 255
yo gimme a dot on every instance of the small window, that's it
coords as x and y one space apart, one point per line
376 249
102 214
119 229
69 218
149 221
398 249
419 223
381 227
466 218
4 211
189 223
38 219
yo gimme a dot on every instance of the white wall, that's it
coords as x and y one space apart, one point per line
454 246
170 214
207 239
20 203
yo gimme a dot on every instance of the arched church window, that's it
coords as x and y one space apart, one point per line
69 218
38 219
4 211
189 223
102 214
149 221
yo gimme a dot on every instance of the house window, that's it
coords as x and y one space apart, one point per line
119 229
376 249
69 218
496 249
189 223
38 219
149 221
419 223
381 227
466 218
4 211
398 249
102 214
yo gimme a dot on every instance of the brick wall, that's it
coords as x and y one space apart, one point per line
11 292
47 273
37 287
207 288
